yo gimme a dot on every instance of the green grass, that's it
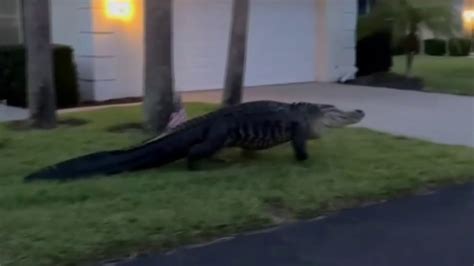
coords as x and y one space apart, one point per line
453 75
65 224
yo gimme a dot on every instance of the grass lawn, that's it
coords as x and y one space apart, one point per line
454 75
70 223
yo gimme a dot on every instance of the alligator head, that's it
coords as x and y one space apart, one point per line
324 116
332 117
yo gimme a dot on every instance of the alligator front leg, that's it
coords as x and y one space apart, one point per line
298 141
248 154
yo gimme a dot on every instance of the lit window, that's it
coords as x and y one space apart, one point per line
119 9
469 15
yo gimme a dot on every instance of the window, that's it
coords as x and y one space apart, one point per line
364 6
10 22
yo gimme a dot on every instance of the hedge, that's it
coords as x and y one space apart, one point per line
436 47
373 49
459 46
13 81
398 49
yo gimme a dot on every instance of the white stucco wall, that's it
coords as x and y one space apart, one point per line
108 53
289 41
116 53
335 39
66 23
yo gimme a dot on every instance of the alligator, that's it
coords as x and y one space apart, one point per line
250 126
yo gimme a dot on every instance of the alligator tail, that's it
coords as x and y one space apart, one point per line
150 154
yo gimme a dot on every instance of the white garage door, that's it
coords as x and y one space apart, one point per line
281 44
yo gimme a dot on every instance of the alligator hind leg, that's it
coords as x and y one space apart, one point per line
299 143
248 154
219 160
201 151
213 143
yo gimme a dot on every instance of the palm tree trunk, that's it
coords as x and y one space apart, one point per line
39 57
236 54
410 56
158 68
412 47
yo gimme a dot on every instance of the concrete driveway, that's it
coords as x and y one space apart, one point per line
8 113
440 118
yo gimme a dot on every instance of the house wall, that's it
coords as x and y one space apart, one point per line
65 21
335 39
280 46
289 41
10 22
108 53
114 55
468 27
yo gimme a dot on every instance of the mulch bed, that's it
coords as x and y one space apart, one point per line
389 80
23 125
126 127
110 102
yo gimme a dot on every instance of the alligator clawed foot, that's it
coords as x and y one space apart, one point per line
219 160
248 154
302 157
192 166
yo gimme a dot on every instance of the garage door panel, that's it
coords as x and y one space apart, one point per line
200 43
281 44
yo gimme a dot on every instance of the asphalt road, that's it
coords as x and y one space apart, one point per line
433 230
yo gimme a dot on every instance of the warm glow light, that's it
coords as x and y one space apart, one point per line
119 9
469 15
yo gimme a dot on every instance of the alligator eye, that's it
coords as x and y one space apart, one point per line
359 111
324 106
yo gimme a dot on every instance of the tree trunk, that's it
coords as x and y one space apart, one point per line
236 54
158 68
412 47
410 56
39 57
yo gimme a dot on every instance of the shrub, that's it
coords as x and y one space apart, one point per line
3 91
13 81
459 46
373 50
11 70
397 48
436 47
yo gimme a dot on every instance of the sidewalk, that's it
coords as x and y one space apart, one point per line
8 113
